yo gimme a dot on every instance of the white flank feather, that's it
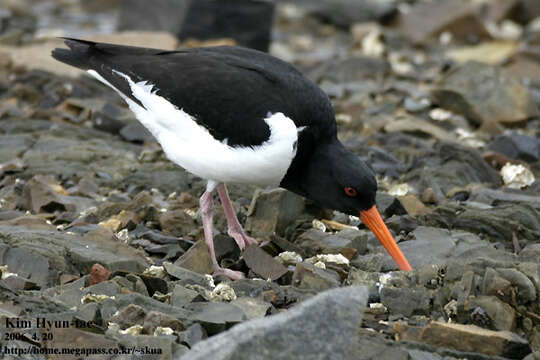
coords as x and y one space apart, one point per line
191 146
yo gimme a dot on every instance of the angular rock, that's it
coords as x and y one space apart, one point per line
271 211
254 308
449 166
196 259
182 296
184 275
215 317
322 327
484 94
314 242
406 301
307 276
517 146
263 264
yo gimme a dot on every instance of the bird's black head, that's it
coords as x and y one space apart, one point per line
337 179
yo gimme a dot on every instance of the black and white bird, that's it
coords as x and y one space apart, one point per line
236 115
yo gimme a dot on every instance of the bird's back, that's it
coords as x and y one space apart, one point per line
228 90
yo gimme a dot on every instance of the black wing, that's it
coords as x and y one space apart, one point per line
229 90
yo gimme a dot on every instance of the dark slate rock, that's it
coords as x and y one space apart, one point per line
448 166
324 326
517 146
248 22
406 301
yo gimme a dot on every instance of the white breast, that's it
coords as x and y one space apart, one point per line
191 146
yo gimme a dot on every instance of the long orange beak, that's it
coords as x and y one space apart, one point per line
372 219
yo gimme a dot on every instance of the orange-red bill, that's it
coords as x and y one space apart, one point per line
372 219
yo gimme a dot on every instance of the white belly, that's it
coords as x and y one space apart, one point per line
192 147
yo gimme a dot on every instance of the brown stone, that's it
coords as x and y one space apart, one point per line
263 264
99 274
475 339
196 259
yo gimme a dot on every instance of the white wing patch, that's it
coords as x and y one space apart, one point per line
191 146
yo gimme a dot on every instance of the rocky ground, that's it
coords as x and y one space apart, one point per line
100 235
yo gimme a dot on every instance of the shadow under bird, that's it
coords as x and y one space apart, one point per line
236 115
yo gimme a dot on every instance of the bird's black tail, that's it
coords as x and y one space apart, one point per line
79 53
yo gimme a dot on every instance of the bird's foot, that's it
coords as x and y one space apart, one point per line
231 274
241 238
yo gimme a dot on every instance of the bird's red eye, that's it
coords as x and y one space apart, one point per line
350 191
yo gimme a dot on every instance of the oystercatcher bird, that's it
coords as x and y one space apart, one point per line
231 114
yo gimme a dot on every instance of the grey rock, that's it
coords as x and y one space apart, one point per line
135 132
349 70
322 327
497 223
307 276
437 246
450 166
262 264
253 308
13 145
29 265
483 93
271 211
184 275
215 317
531 252
192 335
313 242
406 301
150 304
503 196
517 146
182 296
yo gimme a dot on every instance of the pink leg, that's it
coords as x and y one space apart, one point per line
235 230
207 212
